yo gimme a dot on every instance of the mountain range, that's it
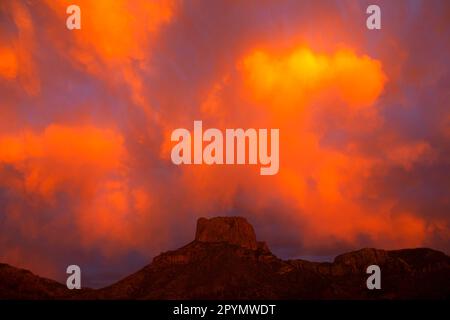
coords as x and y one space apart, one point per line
225 261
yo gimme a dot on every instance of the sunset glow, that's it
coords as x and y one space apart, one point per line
86 118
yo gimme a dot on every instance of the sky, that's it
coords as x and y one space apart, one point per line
86 116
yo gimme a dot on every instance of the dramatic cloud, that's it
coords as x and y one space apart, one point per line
86 117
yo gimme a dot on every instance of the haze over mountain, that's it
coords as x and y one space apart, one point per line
225 261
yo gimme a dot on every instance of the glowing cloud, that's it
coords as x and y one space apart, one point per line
86 117
291 80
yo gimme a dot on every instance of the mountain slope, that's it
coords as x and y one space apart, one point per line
226 262
22 284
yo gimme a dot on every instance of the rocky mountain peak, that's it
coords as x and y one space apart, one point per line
234 230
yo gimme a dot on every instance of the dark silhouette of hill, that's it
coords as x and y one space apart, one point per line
226 262
21 284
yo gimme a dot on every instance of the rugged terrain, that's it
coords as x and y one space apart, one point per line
225 261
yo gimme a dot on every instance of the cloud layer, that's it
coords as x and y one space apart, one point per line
86 118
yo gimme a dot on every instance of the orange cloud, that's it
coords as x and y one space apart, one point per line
115 41
117 30
116 188
8 63
16 59
407 155
61 154
291 80
85 162
310 95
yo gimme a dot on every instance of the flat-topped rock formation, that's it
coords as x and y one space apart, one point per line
226 262
233 230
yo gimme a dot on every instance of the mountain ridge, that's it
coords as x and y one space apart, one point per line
225 261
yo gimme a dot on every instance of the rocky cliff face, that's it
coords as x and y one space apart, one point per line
226 262
233 230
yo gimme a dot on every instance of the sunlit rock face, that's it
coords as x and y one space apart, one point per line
233 230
